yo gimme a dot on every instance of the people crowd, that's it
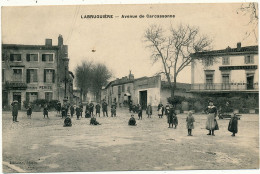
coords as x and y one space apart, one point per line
67 112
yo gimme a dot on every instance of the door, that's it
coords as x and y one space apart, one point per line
143 99
250 81
17 96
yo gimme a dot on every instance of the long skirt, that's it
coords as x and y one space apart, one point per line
210 124
232 126
170 119
160 112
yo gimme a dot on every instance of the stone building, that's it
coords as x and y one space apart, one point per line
144 90
31 72
228 72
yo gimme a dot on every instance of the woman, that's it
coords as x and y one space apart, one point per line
232 126
211 123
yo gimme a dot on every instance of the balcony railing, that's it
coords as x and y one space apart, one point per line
224 87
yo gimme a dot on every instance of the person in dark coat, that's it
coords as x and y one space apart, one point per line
81 108
97 107
132 121
104 108
170 117
233 124
67 122
87 114
91 109
175 119
87 108
93 121
58 107
29 111
140 112
72 110
63 111
15 108
78 112
45 111
130 105
149 111
113 110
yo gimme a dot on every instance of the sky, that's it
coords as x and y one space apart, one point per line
119 43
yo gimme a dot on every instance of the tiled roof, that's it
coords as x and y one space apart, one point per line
228 51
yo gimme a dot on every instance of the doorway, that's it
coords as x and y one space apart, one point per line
250 81
17 96
143 99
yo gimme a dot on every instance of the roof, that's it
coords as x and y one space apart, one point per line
186 86
228 51
29 47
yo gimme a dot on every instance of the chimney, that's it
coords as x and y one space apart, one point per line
60 40
239 45
48 42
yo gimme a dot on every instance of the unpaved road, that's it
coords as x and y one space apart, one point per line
44 145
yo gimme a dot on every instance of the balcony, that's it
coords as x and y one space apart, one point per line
15 85
224 87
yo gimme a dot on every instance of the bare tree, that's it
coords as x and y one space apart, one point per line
250 9
84 78
174 50
101 74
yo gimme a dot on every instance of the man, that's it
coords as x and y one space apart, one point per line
78 112
81 108
15 107
130 105
63 111
98 109
149 110
87 110
91 108
72 109
58 107
104 108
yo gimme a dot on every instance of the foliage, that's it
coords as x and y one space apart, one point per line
174 50
175 100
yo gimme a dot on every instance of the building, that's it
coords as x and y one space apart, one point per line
228 72
31 72
144 90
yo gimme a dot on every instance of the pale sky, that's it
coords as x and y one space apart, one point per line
119 42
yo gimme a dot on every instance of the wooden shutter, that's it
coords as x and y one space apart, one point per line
11 57
28 76
44 75
53 76
35 77
43 57
28 57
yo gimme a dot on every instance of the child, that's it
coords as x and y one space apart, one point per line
170 117
67 122
29 111
87 114
190 119
72 110
98 109
45 111
149 111
132 121
93 121
113 110
175 120
140 112
78 112
232 126
160 110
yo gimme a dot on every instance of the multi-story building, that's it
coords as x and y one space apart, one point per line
145 90
31 72
228 72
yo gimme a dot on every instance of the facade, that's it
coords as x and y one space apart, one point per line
31 72
229 72
143 91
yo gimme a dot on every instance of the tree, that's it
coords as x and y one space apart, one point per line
101 74
174 50
84 77
250 9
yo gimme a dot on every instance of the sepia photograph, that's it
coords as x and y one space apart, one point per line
130 87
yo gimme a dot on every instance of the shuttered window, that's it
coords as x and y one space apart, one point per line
32 75
16 57
32 57
47 57
249 59
49 75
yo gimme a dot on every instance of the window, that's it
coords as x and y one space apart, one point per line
123 88
119 89
3 75
17 75
47 57
31 96
48 96
225 78
225 60
49 75
16 57
32 57
32 76
249 59
208 61
209 78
